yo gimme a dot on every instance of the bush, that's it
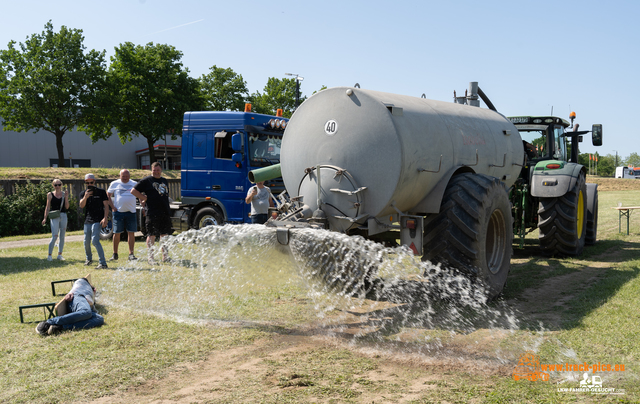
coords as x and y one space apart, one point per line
23 211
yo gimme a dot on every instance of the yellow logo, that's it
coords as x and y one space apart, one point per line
529 368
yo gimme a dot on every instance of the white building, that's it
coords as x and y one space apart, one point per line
28 149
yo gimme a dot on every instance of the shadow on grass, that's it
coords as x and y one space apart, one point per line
15 265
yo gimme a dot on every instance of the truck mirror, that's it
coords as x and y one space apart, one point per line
236 158
596 134
236 142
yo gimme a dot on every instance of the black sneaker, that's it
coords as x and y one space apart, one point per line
132 257
54 329
88 262
42 328
102 266
114 257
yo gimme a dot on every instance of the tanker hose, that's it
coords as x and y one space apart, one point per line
486 100
265 173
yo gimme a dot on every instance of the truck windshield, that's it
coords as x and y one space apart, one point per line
264 150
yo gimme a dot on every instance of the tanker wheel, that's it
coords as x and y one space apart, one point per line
208 217
473 232
592 217
562 221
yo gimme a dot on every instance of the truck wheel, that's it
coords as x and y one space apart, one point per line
592 214
562 221
208 217
473 232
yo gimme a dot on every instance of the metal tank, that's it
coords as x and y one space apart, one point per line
380 155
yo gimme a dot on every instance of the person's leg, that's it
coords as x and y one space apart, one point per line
131 225
87 241
95 240
55 225
96 320
63 230
132 242
80 311
118 228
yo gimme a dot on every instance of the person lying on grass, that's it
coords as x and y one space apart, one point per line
76 310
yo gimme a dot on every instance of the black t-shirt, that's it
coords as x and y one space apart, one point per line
94 208
157 191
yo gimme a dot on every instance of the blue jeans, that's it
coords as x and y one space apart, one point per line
58 224
260 218
92 236
82 316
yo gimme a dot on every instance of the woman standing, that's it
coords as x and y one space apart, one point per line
57 201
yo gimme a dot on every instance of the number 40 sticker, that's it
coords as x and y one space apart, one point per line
331 127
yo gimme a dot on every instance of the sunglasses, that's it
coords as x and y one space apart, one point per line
57 185
89 182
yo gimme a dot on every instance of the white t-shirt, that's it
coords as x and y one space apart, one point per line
123 199
260 202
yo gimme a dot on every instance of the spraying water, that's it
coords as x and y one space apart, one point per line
333 284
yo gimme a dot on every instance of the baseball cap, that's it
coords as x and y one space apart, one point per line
89 177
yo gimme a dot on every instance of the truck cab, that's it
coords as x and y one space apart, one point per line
218 151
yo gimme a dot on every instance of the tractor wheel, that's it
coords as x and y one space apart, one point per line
473 232
592 214
562 221
208 217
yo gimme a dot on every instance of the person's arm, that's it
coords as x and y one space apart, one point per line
85 198
139 195
252 192
105 219
113 207
66 200
46 209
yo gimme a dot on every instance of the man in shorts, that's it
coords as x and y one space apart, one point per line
154 192
123 206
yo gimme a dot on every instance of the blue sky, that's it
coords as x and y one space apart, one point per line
528 57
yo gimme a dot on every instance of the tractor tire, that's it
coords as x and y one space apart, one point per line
562 222
473 233
208 217
592 214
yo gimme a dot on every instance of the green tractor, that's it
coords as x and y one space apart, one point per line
552 194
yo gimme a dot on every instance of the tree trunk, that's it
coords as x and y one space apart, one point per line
60 148
152 152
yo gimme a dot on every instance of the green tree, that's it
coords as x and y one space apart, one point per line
147 94
633 159
223 90
278 94
49 82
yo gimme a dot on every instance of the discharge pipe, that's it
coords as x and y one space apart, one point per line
265 173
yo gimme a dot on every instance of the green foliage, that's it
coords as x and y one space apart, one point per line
49 82
278 94
22 212
223 90
633 159
147 93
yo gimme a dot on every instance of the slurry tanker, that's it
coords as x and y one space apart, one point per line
452 181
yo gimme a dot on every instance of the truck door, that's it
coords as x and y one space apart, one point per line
197 168
227 180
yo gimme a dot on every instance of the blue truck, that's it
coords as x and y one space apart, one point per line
218 151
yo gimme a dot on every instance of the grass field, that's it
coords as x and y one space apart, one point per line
271 341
